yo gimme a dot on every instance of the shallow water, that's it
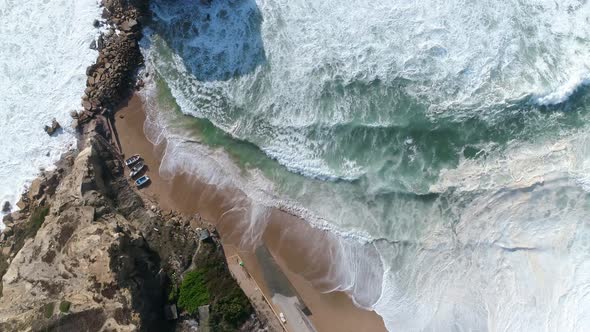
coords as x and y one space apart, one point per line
450 137
44 52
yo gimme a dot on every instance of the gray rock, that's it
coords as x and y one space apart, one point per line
8 232
6 207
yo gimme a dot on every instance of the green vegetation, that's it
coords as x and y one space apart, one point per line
211 283
48 309
234 309
173 294
37 218
64 306
193 291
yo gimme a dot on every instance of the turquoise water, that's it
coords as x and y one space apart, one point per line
451 137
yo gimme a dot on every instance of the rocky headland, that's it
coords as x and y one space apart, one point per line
87 252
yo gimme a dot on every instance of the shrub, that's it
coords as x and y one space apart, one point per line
234 308
64 306
193 291
37 219
48 309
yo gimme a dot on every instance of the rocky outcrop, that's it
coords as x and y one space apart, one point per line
55 126
98 260
6 207
112 77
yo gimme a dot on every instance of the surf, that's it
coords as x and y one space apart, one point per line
44 52
395 125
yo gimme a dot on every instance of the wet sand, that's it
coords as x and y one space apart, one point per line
327 311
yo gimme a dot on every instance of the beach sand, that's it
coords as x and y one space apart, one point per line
280 266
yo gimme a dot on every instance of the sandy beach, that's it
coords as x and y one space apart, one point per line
279 265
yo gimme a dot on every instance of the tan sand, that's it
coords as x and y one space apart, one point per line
329 312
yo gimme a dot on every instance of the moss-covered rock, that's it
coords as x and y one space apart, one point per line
64 306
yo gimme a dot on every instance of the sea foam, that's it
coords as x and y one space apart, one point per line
389 96
44 52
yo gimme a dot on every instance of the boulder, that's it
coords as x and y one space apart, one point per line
170 312
21 204
50 130
7 219
128 25
37 189
8 231
87 105
6 207
5 252
17 215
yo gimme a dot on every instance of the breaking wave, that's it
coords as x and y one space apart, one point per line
445 143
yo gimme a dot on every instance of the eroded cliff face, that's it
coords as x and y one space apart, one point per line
99 260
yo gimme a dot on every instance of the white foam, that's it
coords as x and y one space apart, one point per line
507 258
513 261
565 91
44 52
521 165
184 155
312 49
501 245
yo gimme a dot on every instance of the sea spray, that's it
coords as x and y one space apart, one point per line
44 52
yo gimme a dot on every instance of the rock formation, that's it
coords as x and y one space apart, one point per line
112 77
86 254
55 126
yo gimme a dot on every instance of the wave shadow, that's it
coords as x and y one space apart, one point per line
216 40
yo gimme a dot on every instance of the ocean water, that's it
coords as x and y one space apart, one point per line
449 137
44 52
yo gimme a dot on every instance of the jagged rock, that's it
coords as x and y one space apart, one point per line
17 215
100 43
128 25
6 207
96 24
170 312
74 114
36 189
90 69
93 45
21 204
54 127
8 231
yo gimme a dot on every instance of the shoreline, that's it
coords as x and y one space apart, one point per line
90 242
189 196
113 111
